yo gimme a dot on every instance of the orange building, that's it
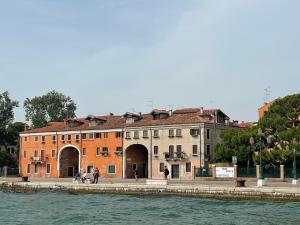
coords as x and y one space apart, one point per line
63 148
263 109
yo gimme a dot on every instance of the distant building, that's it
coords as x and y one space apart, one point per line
119 145
263 109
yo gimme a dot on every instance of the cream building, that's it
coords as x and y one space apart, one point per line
181 140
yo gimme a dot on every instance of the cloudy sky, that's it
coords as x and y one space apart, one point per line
130 55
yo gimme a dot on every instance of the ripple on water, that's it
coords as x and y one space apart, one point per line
63 208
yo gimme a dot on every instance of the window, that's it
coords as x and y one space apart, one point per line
43 139
105 150
208 134
36 153
136 134
171 133
48 168
171 151
90 168
63 138
91 136
118 134
69 137
178 149
98 151
77 138
28 168
194 132
53 154
195 149
83 136
24 154
188 167
36 138
53 139
111 169
178 133
127 135
84 151
119 150
161 167
105 135
43 155
98 135
208 149
25 139
145 134
155 150
156 134
36 168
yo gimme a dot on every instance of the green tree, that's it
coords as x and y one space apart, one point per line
53 106
281 122
6 110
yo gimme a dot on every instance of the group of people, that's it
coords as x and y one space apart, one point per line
95 173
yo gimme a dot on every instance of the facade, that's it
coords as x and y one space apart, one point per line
121 146
262 110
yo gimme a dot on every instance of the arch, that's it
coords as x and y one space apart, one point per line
59 157
136 157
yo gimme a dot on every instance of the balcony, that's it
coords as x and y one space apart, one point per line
177 156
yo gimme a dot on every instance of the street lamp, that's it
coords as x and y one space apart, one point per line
260 180
295 179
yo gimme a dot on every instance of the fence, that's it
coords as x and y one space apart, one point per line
271 172
246 171
203 172
289 172
10 171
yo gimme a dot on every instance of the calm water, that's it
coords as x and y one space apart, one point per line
63 208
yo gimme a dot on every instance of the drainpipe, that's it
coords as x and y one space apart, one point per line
20 153
151 147
200 146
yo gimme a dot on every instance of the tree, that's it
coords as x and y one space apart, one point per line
281 122
53 106
6 110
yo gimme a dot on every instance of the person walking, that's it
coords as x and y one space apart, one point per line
166 173
96 175
135 173
84 177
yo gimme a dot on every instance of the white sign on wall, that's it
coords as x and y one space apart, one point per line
225 172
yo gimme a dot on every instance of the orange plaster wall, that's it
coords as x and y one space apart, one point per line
102 162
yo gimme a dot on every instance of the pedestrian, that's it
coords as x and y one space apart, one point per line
135 173
166 173
84 177
76 177
96 175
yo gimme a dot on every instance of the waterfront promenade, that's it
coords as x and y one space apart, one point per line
219 189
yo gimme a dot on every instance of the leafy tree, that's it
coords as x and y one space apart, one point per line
53 106
6 159
6 110
281 122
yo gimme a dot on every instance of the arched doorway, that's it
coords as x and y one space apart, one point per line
136 158
68 161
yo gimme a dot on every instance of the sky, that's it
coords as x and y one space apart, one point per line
135 55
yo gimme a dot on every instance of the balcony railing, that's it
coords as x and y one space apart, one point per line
176 156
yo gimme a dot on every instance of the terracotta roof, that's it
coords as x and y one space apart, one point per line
158 111
179 116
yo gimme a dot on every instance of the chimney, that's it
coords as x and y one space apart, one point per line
201 110
111 114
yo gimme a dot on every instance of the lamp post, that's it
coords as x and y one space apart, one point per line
260 180
295 179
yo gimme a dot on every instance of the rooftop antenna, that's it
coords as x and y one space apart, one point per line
267 94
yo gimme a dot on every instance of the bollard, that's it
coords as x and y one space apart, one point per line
213 168
5 171
257 171
235 171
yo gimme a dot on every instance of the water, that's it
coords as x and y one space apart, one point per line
63 208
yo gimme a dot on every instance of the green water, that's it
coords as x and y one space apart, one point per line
63 208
